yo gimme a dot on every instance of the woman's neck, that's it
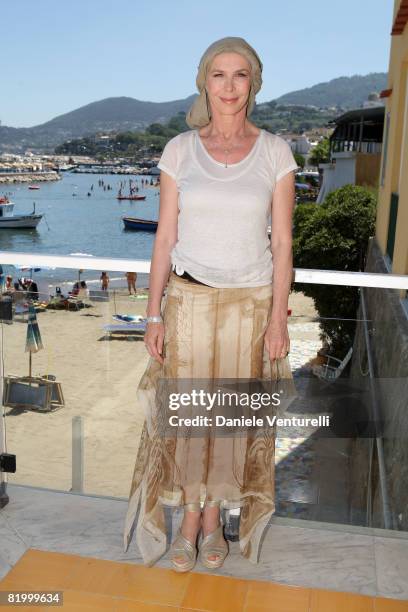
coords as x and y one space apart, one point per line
228 128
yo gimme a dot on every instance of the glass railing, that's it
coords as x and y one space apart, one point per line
73 355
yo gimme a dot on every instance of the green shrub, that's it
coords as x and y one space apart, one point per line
334 236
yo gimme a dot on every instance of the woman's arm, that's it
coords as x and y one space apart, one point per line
276 336
166 238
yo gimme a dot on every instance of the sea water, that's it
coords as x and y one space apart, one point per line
75 223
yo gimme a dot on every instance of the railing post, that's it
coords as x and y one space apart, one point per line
4 498
77 454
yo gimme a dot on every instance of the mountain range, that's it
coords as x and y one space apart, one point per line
127 114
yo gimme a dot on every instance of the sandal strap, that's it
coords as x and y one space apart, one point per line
212 503
214 543
192 507
184 546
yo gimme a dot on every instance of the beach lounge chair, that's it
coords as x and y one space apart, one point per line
19 305
329 370
97 295
42 393
125 318
125 328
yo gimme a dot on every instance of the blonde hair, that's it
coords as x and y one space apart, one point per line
199 114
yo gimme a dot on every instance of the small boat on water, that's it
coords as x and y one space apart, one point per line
8 220
34 187
130 197
134 223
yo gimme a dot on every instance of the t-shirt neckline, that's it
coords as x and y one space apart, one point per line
236 164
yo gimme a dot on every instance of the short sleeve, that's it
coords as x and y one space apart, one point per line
285 160
169 158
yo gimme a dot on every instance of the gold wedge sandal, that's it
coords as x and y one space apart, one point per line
213 545
183 549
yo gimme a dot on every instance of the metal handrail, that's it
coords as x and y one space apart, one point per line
110 264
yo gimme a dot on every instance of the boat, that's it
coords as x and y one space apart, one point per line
134 223
64 167
8 220
34 187
130 197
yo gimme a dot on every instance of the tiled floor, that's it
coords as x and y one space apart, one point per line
305 554
94 584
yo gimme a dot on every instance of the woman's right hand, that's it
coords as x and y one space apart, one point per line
153 339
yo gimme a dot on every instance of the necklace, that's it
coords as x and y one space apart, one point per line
227 152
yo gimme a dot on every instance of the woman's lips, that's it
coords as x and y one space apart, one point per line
229 100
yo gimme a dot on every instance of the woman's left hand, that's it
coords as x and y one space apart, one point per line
276 339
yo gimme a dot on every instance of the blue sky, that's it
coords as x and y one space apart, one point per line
57 56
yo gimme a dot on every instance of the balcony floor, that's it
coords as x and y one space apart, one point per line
73 542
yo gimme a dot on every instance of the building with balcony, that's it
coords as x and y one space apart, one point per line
355 150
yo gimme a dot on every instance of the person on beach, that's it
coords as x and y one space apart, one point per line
220 182
104 278
75 289
131 278
9 283
83 291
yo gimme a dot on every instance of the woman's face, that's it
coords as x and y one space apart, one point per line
228 83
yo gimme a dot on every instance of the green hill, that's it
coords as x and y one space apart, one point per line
345 92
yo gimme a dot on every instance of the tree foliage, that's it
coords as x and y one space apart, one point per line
334 236
321 153
300 160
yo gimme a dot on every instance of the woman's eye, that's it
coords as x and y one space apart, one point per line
241 74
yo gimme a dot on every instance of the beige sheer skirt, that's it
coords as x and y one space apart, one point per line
210 333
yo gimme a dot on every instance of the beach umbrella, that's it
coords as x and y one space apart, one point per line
33 340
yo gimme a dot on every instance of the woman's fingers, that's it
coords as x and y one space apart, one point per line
153 340
160 339
277 348
278 352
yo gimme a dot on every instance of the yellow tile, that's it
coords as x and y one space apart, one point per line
91 575
215 593
42 570
137 606
147 584
269 597
333 601
77 600
381 604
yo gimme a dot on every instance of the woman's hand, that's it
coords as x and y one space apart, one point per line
153 339
276 339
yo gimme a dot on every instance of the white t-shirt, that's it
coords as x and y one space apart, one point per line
224 211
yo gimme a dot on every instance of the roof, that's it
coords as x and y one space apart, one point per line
367 113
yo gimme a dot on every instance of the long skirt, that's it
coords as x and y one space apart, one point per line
210 333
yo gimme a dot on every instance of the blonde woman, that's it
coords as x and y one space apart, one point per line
220 181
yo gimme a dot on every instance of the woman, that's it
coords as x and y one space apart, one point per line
131 278
220 181
104 278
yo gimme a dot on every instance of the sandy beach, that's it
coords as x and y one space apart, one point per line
99 377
